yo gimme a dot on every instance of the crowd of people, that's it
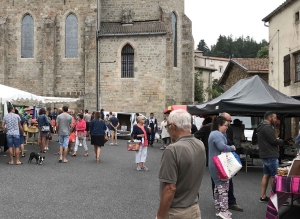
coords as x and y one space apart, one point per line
185 157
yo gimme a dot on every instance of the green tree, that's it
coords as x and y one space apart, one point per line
242 47
202 46
215 90
263 52
199 90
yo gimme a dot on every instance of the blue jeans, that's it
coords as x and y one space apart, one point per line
64 140
270 166
13 141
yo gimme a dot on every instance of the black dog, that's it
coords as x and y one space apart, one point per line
39 159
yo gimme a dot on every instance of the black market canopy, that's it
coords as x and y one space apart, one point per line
250 97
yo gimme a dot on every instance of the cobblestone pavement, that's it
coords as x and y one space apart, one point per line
112 189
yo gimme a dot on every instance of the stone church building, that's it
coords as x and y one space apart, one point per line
143 64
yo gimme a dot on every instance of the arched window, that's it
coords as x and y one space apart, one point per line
174 31
71 36
127 61
27 37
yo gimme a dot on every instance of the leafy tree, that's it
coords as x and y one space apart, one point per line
215 90
202 46
263 52
199 90
242 47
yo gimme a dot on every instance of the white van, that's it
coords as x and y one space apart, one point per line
126 120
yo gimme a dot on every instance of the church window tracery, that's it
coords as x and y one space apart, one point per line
127 61
174 31
27 37
71 37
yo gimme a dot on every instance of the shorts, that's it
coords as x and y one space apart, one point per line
13 141
270 166
113 133
43 134
22 139
87 128
64 140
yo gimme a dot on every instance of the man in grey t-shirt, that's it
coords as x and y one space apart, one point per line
180 181
63 125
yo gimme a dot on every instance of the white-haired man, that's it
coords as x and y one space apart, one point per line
175 177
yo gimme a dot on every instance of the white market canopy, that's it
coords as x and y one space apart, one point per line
9 94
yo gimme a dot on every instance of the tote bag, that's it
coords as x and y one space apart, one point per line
227 165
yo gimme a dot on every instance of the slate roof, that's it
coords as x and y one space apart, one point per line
249 65
151 27
277 10
252 64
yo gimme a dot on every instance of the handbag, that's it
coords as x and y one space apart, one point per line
45 128
105 138
227 165
133 145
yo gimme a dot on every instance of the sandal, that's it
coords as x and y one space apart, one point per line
9 163
57 153
98 160
86 154
66 161
59 161
20 163
74 155
23 155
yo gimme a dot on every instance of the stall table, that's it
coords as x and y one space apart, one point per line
33 132
3 142
284 187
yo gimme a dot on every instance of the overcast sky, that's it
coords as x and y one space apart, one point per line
211 18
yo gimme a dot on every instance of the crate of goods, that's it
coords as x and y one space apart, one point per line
33 129
133 145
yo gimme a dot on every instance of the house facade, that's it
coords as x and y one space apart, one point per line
217 63
284 47
240 68
144 60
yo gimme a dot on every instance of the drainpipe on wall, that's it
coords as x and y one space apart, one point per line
97 60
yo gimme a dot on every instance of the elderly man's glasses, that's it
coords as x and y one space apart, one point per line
167 126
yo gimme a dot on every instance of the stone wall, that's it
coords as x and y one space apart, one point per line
157 83
236 74
49 72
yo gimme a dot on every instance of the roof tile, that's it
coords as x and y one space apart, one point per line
136 28
253 64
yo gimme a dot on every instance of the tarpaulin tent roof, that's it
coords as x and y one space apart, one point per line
252 97
174 107
8 94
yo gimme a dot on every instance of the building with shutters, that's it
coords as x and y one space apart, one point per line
140 59
284 47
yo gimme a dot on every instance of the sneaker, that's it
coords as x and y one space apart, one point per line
80 145
235 208
116 144
224 214
266 199
145 168
162 148
138 168
111 144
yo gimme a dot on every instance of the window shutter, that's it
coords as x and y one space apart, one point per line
286 72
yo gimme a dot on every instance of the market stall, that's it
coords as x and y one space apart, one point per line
13 95
252 97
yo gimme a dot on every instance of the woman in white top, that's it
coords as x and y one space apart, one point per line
164 134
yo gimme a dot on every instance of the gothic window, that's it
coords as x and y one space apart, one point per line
127 62
71 37
27 37
174 31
